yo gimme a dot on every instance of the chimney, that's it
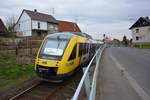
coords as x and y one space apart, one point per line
35 10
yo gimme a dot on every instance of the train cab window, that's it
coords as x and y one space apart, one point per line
73 53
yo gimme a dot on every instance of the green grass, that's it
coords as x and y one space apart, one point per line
143 46
12 73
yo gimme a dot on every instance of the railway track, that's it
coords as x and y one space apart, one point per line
50 91
39 91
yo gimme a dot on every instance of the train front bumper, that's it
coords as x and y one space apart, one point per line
49 73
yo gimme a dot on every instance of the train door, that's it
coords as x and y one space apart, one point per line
74 59
83 53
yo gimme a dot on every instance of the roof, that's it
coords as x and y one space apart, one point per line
62 35
82 34
65 26
3 29
141 22
67 35
34 15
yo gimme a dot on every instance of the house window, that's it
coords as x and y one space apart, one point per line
38 25
19 25
137 30
137 38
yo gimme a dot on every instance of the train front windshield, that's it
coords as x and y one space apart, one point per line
54 47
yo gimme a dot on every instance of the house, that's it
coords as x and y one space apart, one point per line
3 29
141 31
34 23
65 26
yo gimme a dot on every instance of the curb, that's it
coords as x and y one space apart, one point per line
139 90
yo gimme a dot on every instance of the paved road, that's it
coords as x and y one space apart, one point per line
136 62
111 83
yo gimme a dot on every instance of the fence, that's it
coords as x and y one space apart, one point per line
90 88
25 47
22 51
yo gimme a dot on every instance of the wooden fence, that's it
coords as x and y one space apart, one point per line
26 47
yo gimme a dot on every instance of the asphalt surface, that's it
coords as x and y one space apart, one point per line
111 83
136 62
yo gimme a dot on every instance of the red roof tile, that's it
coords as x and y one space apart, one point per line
65 26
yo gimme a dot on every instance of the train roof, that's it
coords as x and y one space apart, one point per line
82 34
96 42
65 35
68 35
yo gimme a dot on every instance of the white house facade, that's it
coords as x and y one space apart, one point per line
23 25
39 25
141 31
33 23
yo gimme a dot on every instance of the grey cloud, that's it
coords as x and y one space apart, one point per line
103 16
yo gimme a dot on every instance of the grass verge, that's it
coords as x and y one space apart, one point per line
12 73
143 46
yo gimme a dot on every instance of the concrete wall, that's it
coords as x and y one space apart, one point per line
52 28
143 34
35 34
24 25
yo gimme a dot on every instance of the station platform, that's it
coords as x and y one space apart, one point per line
111 82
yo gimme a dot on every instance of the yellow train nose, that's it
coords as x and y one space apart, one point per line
48 63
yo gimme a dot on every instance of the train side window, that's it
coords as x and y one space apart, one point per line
84 48
87 47
80 49
73 53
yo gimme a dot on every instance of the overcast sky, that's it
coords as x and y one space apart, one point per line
95 17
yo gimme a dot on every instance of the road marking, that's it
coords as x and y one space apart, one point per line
132 81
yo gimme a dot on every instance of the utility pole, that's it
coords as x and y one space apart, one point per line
53 11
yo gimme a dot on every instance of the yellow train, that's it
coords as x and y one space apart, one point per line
61 54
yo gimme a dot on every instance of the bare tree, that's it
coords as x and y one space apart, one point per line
10 23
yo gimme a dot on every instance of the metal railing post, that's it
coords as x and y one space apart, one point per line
90 88
87 84
93 87
75 97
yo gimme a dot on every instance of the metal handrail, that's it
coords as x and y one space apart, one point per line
93 87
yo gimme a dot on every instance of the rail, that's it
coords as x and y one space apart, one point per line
90 88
